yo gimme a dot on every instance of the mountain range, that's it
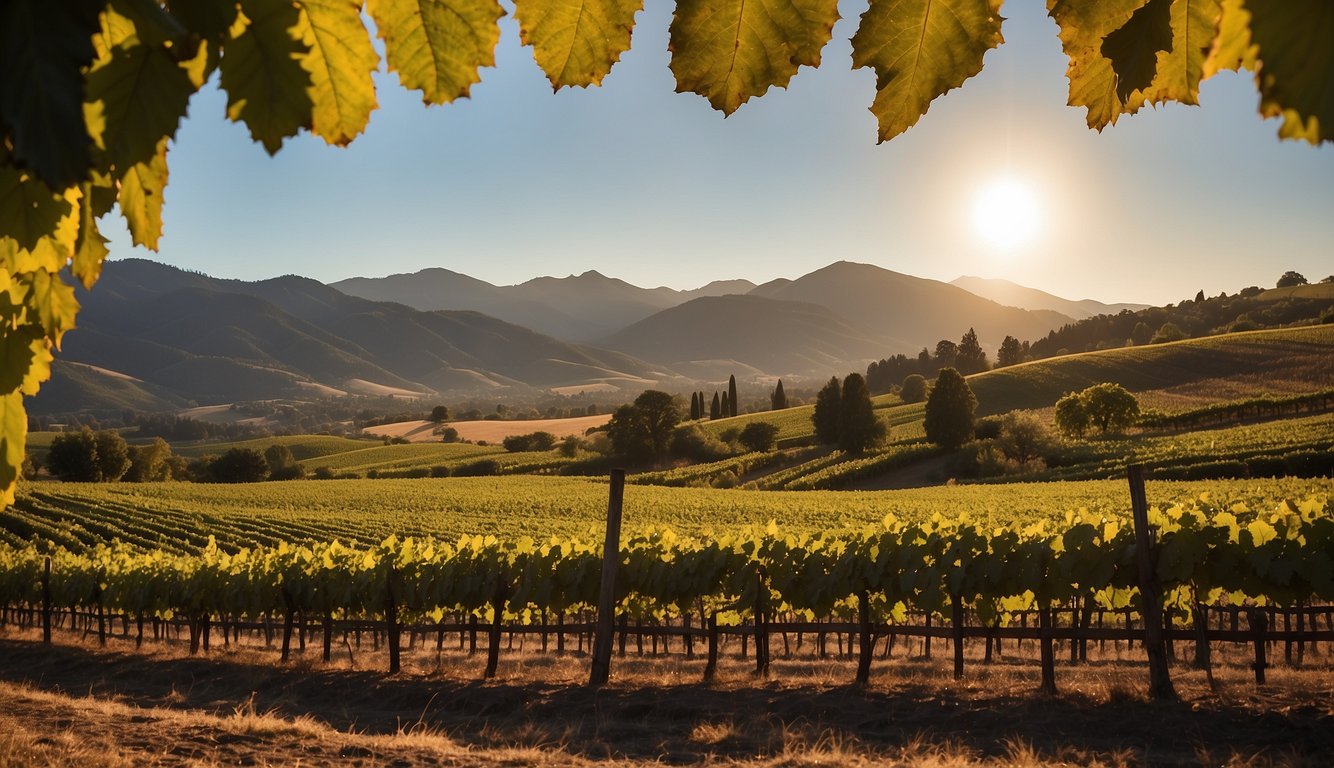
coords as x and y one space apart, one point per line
154 337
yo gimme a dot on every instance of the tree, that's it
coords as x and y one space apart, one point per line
716 408
1010 353
758 436
1168 332
858 427
1291 279
1072 419
73 457
1023 438
278 83
1199 297
693 443
1329 279
778 400
439 414
694 406
727 406
239 465
828 405
949 410
913 388
150 463
969 358
1141 334
113 456
282 464
731 396
1110 407
641 431
947 353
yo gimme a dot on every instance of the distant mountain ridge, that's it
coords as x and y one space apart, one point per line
581 308
1012 294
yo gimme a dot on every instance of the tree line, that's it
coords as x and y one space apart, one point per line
104 456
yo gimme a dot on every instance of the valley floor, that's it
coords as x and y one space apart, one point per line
72 704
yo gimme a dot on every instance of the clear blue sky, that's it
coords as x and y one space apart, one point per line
642 183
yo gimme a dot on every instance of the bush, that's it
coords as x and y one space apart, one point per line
1023 439
987 428
569 447
483 468
439 471
759 436
913 389
535 441
88 457
449 435
694 444
322 473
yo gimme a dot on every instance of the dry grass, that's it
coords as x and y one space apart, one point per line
238 707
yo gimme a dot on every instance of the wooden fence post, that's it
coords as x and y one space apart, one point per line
611 559
1259 623
711 668
46 602
866 639
1160 682
957 618
493 632
761 625
1047 653
391 621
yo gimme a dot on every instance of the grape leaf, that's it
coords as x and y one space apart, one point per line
30 211
136 94
140 198
55 304
340 61
1296 51
210 19
1232 48
90 250
44 47
576 42
438 46
1194 29
1133 47
267 88
13 436
730 50
1083 26
920 49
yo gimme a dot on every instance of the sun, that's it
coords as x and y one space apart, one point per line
1007 214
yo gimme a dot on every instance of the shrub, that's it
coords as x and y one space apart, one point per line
483 468
439 471
694 444
759 436
987 428
913 389
322 473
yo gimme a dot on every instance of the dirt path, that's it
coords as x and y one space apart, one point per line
128 708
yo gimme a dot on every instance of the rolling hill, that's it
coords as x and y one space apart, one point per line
709 337
186 338
1014 295
904 313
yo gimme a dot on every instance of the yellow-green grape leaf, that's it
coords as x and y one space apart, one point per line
54 303
91 248
266 86
136 96
1180 70
340 61
1083 26
208 18
140 198
1232 48
1296 70
44 48
30 211
1134 47
13 436
576 42
438 46
920 49
730 50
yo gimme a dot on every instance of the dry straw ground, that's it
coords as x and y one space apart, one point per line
74 704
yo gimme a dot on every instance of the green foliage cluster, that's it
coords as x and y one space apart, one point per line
949 410
88 457
534 441
642 431
1207 553
844 415
1107 407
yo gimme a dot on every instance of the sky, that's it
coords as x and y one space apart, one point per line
655 187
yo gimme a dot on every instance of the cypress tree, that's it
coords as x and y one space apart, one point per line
828 404
731 395
779 398
727 406
715 410
694 406
858 427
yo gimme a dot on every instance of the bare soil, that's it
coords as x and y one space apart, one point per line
77 704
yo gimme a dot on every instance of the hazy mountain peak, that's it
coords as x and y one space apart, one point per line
1012 294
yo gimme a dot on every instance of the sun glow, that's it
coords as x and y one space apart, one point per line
1007 213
